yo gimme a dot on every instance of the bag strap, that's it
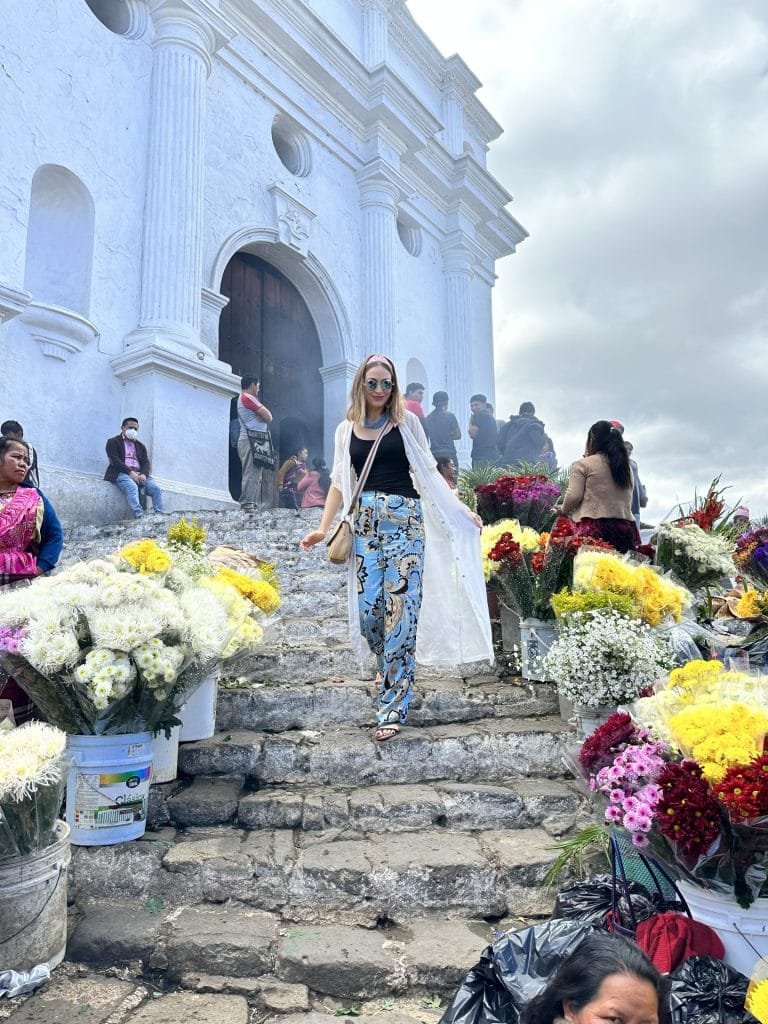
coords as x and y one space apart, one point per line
367 467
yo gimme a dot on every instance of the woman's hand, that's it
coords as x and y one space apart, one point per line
312 538
477 520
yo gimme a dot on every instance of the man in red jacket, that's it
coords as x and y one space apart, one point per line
129 468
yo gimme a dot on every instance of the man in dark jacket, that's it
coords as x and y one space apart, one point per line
442 428
522 438
129 468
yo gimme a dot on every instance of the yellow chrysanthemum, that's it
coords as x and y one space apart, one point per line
146 557
655 597
757 1001
260 593
528 539
718 736
749 605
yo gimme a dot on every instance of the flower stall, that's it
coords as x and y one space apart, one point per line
528 498
110 651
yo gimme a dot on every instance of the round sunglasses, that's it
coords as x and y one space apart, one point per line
385 385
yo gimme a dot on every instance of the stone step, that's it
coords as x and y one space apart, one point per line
327 877
469 806
490 749
312 706
280 962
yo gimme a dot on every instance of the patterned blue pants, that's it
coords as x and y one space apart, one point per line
389 556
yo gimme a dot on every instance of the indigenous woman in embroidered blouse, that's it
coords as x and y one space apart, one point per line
30 541
416 564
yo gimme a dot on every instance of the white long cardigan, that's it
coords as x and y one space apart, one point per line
454 625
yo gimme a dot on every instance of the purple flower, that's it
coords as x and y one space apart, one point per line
617 795
613 814
639 839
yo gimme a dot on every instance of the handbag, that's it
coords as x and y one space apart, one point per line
262 451
341 540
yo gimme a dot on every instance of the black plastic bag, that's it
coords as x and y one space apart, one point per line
589 901
512 971
705 990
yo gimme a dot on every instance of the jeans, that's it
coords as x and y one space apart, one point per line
131 491
389 550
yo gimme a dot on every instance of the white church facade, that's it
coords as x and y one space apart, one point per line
192 190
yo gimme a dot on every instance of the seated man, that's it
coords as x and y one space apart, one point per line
129 468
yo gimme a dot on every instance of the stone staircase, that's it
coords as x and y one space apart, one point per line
295 861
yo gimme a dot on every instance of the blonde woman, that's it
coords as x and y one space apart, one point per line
416 564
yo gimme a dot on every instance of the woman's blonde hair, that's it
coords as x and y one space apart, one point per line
395 405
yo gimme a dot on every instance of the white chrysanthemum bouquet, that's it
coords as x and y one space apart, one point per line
32 777
110 647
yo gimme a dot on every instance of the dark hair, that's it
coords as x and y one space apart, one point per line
605 439
325 477
129 419
443 461
11 427
478 398
440 398
247 380
577 981
413 386
6 442
527 407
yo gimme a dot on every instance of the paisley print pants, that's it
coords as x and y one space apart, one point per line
389 556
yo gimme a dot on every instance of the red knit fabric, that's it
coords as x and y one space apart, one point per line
669 939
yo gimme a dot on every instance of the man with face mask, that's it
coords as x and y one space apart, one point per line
129 468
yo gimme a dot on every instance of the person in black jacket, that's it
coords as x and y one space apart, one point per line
522 438
129 468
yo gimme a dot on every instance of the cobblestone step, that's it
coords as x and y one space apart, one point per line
278 964
525 803
312 706
326 877
489 749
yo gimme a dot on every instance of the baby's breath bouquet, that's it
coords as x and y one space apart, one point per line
114 647
32 777
602 658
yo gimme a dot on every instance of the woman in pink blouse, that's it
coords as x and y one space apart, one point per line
313 487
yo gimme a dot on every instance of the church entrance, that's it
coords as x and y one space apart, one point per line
266 330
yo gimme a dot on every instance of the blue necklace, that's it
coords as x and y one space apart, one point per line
376 424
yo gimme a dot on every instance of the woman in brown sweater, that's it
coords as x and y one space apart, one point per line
599 495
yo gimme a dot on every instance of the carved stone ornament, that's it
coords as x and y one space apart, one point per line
13 301
293 221
58 331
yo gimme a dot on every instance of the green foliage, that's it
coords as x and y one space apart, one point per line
576 852
566 603
433 1002
348 1011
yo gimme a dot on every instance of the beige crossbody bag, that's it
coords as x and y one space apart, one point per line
341 541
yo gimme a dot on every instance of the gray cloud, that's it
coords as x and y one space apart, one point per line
636 145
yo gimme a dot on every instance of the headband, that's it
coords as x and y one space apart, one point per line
379 358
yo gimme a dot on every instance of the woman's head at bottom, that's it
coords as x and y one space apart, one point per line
607 980
14 461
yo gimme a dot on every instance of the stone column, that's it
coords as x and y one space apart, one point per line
375 32
379 194
171 378
337 382
458 274
188 32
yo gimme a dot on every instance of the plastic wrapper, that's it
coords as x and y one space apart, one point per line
707 991
29 825
19 983
513 971
590 900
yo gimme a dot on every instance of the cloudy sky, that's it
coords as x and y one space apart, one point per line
636 147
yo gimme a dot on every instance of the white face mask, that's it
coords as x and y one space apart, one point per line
131 434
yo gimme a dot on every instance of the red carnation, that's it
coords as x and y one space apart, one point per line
744 790
686 815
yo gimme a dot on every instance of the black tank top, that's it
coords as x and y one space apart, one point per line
390 472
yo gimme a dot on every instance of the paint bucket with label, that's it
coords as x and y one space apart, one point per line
108 788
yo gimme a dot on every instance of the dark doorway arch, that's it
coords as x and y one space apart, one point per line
266 329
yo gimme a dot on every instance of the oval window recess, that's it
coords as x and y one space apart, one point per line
292 147
409 234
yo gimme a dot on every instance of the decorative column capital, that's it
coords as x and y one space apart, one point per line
343 371
195 25
380 185
459 255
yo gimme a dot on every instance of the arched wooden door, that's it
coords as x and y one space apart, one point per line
266 329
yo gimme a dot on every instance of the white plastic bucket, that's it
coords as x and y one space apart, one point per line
536 637
108 788
198 715
738 929
33 906
165 756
